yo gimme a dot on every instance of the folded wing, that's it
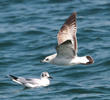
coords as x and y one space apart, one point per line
26 82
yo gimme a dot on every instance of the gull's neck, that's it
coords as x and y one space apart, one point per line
44 78
45 81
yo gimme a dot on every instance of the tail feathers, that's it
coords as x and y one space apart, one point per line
13 77
91 61
16 79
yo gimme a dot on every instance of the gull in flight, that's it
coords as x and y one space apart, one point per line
33 82
67 46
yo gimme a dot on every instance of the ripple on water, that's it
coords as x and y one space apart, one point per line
28 33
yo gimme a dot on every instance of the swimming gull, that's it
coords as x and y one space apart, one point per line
33 82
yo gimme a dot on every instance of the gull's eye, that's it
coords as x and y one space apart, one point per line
44 75
47 59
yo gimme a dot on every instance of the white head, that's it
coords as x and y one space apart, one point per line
45 75
49 59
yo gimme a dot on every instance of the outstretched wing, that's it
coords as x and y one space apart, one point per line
65 49
68 32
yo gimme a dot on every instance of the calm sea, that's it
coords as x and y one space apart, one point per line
28 30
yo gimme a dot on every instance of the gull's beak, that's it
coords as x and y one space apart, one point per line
41 61
50 77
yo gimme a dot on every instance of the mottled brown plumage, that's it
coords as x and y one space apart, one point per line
68 32
67 46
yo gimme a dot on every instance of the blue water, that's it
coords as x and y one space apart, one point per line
28 30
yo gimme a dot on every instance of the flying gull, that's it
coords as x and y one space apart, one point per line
33 82
67 46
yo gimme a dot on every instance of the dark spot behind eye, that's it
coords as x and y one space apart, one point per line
47 59
43 75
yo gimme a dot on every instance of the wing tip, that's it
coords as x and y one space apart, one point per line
72 19
13 77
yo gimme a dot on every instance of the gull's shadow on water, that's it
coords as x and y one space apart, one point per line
26 88
20 90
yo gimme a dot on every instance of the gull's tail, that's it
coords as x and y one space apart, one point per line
90 59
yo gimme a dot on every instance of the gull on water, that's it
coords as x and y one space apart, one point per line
67 46
33 82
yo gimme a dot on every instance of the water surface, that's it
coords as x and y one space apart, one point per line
28 31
